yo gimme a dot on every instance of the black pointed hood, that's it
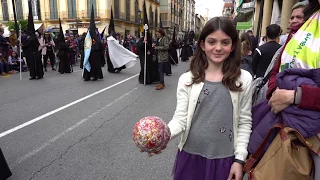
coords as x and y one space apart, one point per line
92 27
145 16
174 35
61 35
30 26
146 21
111 24
102 33
161 25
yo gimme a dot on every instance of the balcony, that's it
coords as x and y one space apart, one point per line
51 16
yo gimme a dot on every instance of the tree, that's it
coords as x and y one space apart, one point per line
23 23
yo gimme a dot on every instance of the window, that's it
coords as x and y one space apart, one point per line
156 18
89 7
54 9
5 13
19 9
127 10
36 9
116 9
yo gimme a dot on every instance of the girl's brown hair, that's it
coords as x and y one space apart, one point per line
231 66
245 48
161 32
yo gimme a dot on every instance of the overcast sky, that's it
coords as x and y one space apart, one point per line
212 7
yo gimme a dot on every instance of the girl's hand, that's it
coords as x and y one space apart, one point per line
151 154
236 171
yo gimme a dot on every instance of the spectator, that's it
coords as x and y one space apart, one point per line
263 55
14 62
253 40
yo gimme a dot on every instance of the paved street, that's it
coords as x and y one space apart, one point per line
82 130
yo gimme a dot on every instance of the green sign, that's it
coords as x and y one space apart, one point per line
244 25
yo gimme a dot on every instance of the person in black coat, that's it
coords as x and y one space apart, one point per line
5 172
152 74
95 61
63 50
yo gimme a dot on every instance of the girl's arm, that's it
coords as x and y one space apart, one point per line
245 118
179 120
52 43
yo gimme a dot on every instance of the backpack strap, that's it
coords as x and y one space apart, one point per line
256 155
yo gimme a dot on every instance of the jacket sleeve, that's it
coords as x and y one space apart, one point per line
244 119
165 46
179 120
41 44
310 98
272 85
255 61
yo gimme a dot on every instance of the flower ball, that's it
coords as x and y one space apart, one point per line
151 134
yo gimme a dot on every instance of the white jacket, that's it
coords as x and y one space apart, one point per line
187 97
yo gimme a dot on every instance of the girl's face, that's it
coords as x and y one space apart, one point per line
217 46
14 54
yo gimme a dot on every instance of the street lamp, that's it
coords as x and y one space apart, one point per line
139 16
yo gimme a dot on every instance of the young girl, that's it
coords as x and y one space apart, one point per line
246 56
14 62
46 46
213 112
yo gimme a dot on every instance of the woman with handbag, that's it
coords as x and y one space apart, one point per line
305 97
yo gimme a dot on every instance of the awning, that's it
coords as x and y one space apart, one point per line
244 25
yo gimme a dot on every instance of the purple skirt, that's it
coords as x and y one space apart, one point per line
191 167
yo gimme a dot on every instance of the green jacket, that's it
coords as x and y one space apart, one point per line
163 49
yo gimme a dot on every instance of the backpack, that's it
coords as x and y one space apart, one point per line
288 157
260 85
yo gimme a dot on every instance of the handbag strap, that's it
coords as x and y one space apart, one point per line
257 154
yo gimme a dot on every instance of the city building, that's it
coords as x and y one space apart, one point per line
75 14
228 9
172 16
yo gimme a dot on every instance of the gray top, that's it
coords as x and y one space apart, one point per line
211 132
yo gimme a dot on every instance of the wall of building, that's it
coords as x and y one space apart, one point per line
103 13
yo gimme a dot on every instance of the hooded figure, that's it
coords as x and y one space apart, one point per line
152 74
112 32
173 56
95 58
184 52
63 50
30 49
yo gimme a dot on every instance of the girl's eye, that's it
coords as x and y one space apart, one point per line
211 42
225 43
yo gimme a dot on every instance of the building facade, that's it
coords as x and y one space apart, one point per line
75 14
171 12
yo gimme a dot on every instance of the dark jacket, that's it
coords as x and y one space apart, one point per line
246 63
262 57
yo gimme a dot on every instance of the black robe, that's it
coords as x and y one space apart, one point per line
64 62
152 74
95 62
184 52
5 171
173 55
33 56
